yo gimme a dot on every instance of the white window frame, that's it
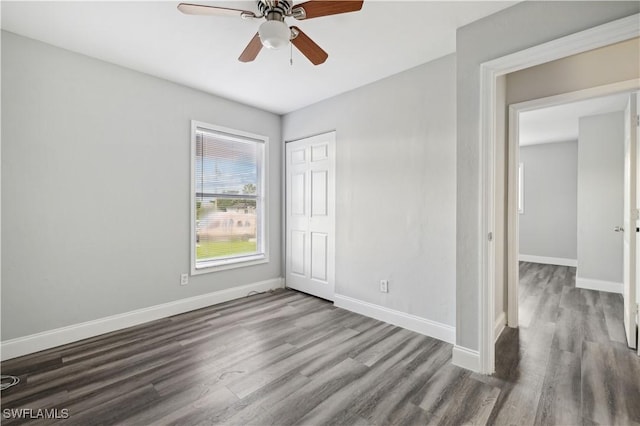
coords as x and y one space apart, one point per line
239 261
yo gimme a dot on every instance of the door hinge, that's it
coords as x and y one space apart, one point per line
490 236
638 120
635 214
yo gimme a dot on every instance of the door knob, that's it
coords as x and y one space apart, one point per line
618 229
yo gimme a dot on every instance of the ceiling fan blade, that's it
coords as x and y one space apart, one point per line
251 51
317 8
308 47
198 9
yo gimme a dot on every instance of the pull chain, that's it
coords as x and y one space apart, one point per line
291 53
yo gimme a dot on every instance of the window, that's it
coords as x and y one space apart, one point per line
227 198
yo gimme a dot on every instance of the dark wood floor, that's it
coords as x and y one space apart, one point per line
287 358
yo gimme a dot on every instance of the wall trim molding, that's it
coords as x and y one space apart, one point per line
465 358
600 285
51 338
548 260
501 322
591 38
420 325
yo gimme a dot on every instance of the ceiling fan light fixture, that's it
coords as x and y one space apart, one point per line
274 34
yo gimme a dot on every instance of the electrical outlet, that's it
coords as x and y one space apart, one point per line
384 286
184 279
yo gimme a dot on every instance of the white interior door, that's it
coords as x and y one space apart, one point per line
630 222
310 215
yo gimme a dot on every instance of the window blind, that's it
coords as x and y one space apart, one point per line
228 196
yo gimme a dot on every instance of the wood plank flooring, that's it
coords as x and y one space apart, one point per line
286 358
568 362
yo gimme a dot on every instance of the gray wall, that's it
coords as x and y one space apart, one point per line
548 226
519 27
395 177
600 196
95 188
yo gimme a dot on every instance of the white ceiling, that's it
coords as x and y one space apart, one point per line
384 38
560 123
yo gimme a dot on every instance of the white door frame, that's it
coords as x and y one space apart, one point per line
630 223
513 216
593 38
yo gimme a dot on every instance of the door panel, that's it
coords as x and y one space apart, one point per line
629 225
310 215
298 156
298 194
319 256
319 193
319 152
298 252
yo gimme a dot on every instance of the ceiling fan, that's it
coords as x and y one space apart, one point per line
274 33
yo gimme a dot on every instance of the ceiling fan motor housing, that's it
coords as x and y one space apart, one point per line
275 10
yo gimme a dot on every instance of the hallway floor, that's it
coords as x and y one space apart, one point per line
568 362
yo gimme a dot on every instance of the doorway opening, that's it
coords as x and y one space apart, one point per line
569 325
559 207
492 125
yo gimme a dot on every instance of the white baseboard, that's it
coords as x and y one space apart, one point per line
420 325
548 260
466 358
501 321
590 284
60 336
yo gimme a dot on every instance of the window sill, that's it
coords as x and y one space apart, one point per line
221 265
